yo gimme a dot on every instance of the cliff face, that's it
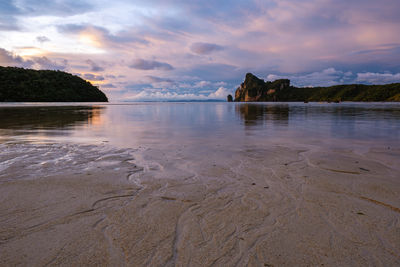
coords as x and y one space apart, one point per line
26 85
255 89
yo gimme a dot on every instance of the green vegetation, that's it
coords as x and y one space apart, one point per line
351 92
26 85
254 89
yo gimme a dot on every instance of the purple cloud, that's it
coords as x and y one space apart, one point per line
205 48
154 79
45 63
94 66
42 39
326 77
141 64
108 85
92 77
51 7
9 59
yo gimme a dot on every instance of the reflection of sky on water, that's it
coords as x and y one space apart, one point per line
206 124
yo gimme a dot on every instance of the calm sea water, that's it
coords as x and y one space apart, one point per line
203 125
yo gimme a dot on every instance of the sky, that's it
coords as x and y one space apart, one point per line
202 49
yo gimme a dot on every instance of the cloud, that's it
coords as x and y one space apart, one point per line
214 71
51 7
8 23
11 10
202 84
326 77
94 66
42 39
108 85
220 83
141 64
110 76
150 95
7 20
205 48
331 76
378 78
102 36
9 59
221 93
207 84
45 63
164 96
154 79
71 28
92 77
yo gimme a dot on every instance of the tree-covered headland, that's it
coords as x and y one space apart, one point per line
27 85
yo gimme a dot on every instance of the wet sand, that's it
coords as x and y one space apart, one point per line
269 205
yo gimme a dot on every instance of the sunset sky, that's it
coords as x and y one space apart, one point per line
179 49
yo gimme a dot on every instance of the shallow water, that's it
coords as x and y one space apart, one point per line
206 124
80 134
200 184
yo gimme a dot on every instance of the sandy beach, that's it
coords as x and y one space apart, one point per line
260 133
265 206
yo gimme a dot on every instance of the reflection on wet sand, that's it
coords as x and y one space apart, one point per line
34 118
256 114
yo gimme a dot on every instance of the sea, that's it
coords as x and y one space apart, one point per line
167 125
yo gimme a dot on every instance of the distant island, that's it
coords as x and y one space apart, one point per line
27 85
254 89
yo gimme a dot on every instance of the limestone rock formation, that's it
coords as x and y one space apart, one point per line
255 89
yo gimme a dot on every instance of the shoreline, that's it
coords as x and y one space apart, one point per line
271 205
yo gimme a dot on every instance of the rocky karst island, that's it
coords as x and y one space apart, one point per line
254 89
27 85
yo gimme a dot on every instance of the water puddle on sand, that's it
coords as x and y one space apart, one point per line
32 161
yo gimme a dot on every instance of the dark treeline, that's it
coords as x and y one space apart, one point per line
26 85
351 92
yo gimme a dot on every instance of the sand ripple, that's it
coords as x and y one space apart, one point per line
262 206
